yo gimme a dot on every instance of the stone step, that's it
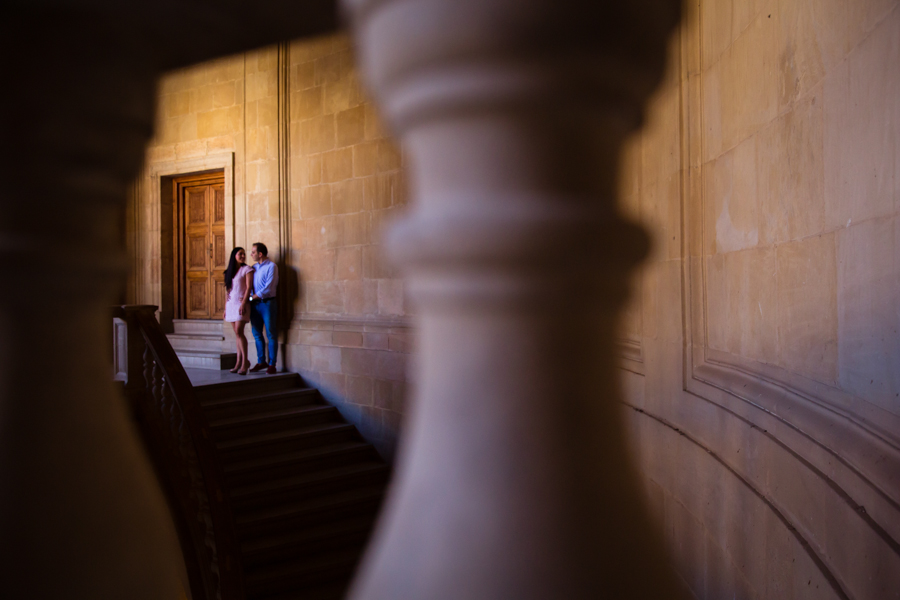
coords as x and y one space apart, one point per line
303 486
271 444
261 524
307 541
250 471
204 359
256 384
308 485
192 326
273 421
196 341
224 407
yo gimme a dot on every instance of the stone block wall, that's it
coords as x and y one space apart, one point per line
352 337
765 330
346 183
800 181
310 172
358 365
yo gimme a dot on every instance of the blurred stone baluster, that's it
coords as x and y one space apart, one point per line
514 480
81 514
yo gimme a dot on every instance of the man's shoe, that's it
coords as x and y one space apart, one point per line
259 367
271 370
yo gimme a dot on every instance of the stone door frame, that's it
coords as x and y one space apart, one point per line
160 207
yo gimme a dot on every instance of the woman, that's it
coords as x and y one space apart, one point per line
238 285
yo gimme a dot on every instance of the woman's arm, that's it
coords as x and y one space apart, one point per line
248 287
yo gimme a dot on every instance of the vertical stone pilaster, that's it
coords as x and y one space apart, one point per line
286 283
514 479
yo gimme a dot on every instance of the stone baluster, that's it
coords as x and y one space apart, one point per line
81 514
514 480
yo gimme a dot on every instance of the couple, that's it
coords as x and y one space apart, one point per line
250 296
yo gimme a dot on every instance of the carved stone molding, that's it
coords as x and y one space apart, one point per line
631 356
733 373
850 445
149 238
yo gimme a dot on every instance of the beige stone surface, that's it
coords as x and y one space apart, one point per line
732 207
791 174
790 159
346 182
357 365
861 149
346 174
807 307
742 300
788 375
868 257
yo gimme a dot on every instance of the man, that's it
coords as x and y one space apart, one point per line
264 308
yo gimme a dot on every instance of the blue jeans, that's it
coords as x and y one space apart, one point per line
265 314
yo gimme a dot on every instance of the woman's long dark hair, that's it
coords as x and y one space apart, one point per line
233 267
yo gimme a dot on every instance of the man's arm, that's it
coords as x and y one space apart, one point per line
268 279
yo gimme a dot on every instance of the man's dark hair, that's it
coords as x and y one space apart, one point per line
261 248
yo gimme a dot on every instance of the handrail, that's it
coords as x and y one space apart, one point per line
178 439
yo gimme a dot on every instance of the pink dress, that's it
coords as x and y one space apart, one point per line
233 298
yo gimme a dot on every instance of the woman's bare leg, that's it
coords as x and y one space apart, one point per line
242 345
239 333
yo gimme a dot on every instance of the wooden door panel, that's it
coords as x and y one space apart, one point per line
196 206
197 253
204 255
220 259
218 204
219 297
198 298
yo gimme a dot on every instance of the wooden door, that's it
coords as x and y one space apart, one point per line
203 255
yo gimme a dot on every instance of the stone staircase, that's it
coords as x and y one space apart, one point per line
202 344
303 486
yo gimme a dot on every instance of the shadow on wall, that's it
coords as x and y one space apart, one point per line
289 294
383 432
357 363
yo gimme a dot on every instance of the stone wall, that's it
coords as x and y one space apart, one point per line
764 379
352 337
800 188
311 173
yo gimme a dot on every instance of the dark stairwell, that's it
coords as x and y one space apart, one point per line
273 493
303 485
